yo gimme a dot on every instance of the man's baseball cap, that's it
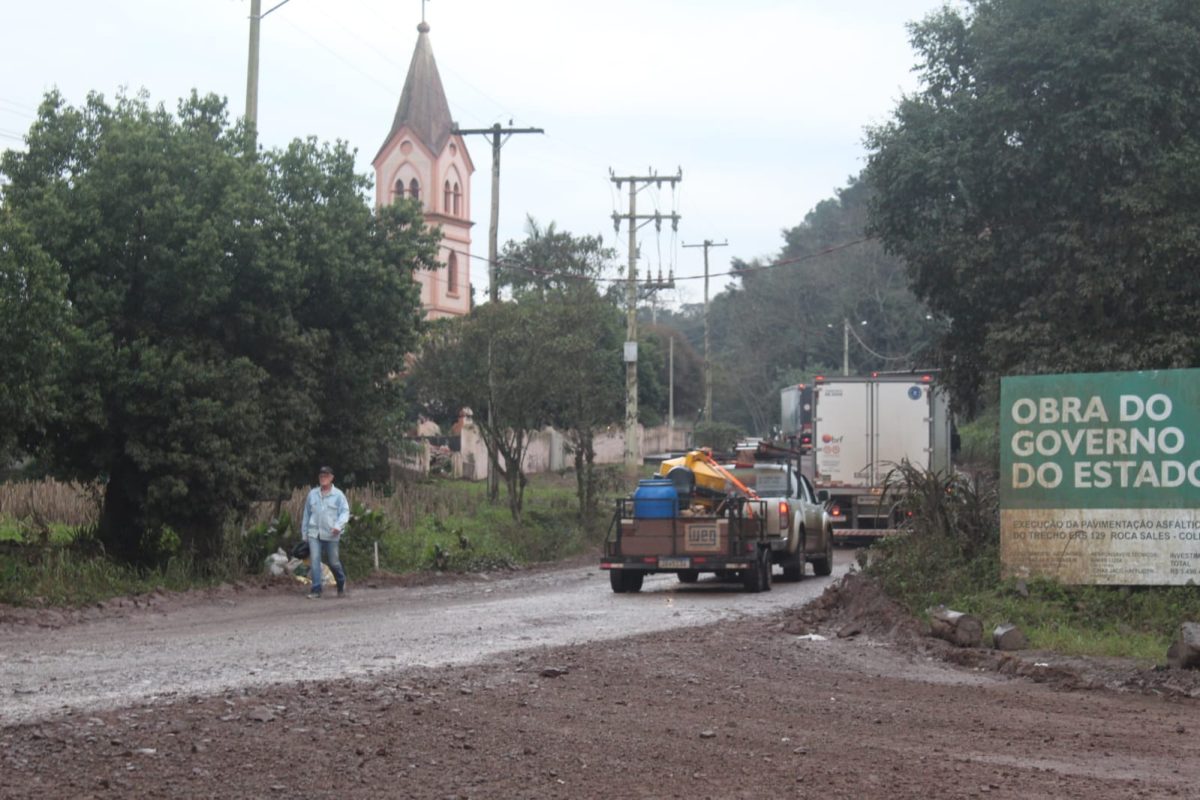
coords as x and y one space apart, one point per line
325 471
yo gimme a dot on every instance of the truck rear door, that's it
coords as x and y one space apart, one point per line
902 425
842 420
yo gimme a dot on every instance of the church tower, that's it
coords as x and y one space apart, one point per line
423 159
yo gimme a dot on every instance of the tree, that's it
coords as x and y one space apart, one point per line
34 324
1043 184
553 274
785 318
234 317
495 355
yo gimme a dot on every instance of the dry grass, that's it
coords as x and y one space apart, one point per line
404 504
53 502
49 502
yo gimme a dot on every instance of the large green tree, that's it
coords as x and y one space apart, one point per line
550 356
235 317
34 325
1043 185
553 273
493 358
780 321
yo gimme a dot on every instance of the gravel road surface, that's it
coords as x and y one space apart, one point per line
236 642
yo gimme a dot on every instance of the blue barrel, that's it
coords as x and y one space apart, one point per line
655 498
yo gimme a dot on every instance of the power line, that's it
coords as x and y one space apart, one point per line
783 262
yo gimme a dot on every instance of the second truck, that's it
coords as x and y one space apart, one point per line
863 428
736 520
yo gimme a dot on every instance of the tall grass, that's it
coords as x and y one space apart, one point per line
427 525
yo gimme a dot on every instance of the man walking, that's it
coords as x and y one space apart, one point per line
326 513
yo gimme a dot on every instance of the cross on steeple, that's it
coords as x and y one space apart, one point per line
423 2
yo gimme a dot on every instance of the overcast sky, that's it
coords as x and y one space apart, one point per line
761 103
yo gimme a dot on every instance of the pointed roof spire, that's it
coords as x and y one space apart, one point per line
423 106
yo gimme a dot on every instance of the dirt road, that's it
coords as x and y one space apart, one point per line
738 707
237 641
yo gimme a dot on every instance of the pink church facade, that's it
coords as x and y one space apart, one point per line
423 159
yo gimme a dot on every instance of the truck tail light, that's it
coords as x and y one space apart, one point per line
783 508
835 510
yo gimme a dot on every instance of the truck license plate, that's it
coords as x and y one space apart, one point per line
674 563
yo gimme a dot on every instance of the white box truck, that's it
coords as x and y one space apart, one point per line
863 428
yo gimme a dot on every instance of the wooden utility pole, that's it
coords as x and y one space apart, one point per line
494 224
707 355
493 249
633 456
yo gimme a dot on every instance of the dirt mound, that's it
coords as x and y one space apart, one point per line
855 605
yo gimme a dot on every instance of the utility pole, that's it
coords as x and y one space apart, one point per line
493 249
707 354
845 346
256 18
494 224
633 456
671 394
252 67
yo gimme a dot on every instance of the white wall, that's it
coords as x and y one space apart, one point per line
549 450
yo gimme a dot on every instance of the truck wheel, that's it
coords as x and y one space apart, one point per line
758 577
688 575
751 577
622 581
824 565
616 578
793 566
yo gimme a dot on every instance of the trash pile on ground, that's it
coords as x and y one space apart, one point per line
279 564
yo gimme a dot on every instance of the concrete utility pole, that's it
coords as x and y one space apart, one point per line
671 394
845 346
494 224
707 355
252 67
633 456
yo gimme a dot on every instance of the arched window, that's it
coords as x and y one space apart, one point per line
398 191
446 198
414 189
452 274
457 198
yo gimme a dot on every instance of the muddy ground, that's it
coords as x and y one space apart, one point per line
760 707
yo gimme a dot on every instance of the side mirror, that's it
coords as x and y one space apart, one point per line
823 495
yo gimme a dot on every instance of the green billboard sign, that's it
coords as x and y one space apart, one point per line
1100 476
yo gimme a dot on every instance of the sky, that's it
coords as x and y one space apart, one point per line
760 105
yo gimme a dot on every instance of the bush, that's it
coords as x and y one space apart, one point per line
439 524
720 436
949 553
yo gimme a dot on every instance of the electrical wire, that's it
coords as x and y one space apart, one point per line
784 262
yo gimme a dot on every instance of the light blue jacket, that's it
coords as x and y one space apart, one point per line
323 513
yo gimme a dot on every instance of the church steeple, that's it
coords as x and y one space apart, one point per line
423 107
423 159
